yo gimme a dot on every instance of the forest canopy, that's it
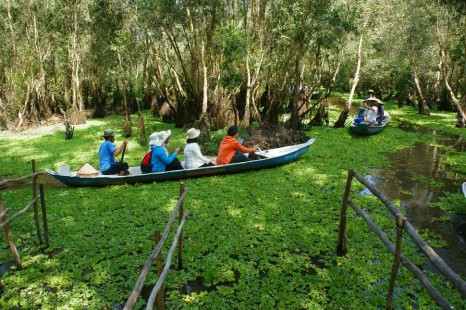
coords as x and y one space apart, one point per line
216 62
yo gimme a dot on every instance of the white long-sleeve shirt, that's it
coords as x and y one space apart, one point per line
193 157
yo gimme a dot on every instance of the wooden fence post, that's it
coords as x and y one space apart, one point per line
396 260
161 294
34 195
180 239
342 243
10 239
44 214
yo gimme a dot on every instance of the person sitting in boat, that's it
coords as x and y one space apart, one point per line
380 110
361 113
230 150
107 153
370 117
160 159
193 157
153 139
371 93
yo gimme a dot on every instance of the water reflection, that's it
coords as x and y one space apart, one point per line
400 182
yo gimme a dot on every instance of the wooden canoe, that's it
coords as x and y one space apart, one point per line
269 158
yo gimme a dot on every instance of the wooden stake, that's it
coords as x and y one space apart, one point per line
180 239
44 214
34 195
160 295
396 260
13 249
342 243
436 260
439 299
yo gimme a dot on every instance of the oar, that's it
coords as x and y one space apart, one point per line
123 154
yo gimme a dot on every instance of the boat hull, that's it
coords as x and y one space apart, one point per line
365 130
271 158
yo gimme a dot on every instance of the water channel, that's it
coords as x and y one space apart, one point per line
400 182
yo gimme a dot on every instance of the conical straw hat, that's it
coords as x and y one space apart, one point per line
87 171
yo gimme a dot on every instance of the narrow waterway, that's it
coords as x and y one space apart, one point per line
401 182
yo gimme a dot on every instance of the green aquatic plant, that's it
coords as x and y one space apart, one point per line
261 239
452 202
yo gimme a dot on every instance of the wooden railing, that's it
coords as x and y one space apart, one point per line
158 290
4 222
401 224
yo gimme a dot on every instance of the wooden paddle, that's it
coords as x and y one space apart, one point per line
123 154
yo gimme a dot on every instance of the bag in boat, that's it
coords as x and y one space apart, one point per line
146 166
87 171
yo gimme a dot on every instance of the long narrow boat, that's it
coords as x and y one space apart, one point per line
269 158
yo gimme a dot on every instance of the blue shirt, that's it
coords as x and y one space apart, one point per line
106 156
159 159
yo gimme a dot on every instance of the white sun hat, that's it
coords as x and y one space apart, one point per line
154 139
193 133
164 135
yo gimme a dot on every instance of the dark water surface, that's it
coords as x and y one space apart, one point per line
397 183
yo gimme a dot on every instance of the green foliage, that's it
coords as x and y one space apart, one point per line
451 202
261 239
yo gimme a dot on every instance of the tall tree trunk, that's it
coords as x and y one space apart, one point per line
422 104
76 63
460 105
127 131
10 26
246 118
344 114
205 121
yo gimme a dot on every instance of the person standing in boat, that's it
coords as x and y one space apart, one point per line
193 157
160 159
230 150
107 153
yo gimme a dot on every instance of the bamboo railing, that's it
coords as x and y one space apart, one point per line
401 224
157 293
4 222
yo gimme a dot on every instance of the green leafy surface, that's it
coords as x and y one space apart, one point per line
262 239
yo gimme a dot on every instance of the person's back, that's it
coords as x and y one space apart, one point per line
106 157
107 153
160 159
193 157
230 150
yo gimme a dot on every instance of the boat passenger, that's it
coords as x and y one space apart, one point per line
230 150
146 165
380 111
153 138
193 157
107 153
362 111
160 159
371 117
